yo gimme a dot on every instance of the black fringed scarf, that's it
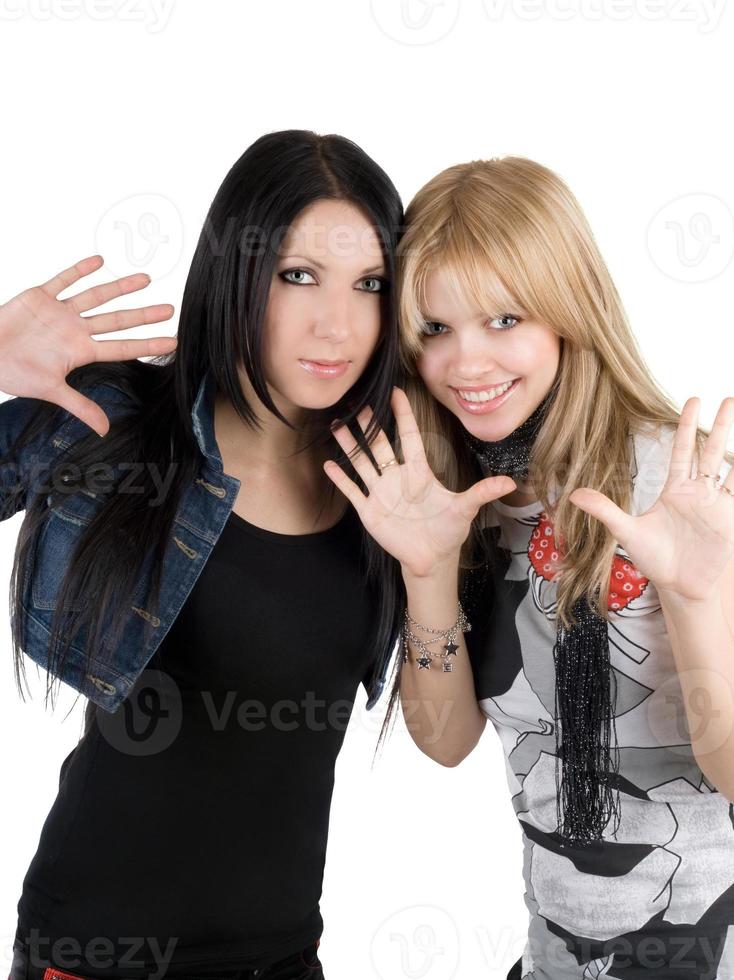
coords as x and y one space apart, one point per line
584 718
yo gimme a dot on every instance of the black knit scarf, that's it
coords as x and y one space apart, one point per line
584 719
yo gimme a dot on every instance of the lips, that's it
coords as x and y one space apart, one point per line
324 369
484 407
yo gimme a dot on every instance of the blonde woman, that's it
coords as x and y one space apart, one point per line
595 567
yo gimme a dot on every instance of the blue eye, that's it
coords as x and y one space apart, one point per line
431 323
295 272
506 326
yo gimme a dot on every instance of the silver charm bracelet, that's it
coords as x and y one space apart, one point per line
426 656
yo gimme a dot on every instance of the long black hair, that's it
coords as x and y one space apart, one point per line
220 326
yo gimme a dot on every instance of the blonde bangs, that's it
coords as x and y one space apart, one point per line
481 272
482 278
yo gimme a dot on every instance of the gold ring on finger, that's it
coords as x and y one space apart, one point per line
390 462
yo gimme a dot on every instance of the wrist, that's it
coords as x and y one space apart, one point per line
682 604
441 576
441 572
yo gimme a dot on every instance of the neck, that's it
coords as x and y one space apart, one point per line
272 443
511 456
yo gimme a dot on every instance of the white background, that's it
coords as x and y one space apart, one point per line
121 119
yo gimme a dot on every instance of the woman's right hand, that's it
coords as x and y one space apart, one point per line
43 338
407 510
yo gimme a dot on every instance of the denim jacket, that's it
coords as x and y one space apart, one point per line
200 518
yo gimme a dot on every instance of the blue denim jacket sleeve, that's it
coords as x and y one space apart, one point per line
17 472
14 473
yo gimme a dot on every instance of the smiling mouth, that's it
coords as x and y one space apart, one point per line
484 392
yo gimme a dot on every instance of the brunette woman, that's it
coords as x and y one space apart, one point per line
196 576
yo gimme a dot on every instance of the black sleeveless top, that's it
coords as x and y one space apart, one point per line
214 777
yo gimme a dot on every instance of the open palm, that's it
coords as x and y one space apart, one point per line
686 539
407 510
43 338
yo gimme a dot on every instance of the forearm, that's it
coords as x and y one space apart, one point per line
440 708
703 649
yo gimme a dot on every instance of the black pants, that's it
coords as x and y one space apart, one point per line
304 965
515 971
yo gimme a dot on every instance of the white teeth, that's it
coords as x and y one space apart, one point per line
484 396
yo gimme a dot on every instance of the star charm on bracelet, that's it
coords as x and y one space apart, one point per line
425 659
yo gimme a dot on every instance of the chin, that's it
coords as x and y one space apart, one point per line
313 400
330 397
488 428
488 433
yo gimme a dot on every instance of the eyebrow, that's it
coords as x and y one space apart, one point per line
366 272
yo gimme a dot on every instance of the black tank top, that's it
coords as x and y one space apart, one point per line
190 825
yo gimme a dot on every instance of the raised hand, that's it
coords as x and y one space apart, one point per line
43 338
685 541
407 510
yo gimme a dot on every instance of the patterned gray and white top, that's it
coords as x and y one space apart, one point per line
660 896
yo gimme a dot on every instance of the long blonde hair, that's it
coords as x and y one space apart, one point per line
512 222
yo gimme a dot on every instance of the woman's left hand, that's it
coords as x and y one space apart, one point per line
686 539
410 513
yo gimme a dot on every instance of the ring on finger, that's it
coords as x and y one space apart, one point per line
716 477
390 462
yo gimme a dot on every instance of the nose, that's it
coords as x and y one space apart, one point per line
333 319
474 358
